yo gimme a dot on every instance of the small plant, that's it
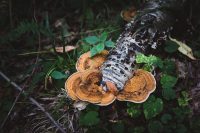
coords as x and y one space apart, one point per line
184 99
149 61
152 107
168 82
99 43
133 110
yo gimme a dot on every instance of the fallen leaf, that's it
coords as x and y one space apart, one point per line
67 49
184 49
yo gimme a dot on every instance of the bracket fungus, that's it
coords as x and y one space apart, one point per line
71 83
85 85
86 62
138 88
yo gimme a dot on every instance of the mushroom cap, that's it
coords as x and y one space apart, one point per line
128 14
85 86
74 79
86 62
138 88
90 91
107 98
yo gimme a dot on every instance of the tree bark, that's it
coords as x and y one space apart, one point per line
150 27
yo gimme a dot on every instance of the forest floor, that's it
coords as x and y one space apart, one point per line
40 42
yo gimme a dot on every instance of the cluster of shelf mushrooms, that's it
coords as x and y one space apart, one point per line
84 85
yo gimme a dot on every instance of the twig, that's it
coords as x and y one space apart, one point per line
28 80
33 101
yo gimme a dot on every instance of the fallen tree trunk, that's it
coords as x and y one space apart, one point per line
148 29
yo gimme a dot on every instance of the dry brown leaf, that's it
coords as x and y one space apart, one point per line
67 49
184 49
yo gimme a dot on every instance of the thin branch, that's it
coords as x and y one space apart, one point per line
33 101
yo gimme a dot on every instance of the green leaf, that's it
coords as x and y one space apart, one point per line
93 52
155 127
168 67
109 44
133 110
89 119
184 99
150 60
152 107
92 107
168 81
92 39
166 118
103 36
58 75
97 49
100 47
168 93
171 46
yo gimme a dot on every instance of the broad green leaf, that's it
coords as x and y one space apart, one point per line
171 46
168 93
168 81
92 39
109 43
152 107
58 75
168 66
133 110
150 60
103 36
155 127
166 118
100 47
89 119
92 107
93 52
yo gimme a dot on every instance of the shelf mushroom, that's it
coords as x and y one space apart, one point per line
86 62
85 87
138 88
71 83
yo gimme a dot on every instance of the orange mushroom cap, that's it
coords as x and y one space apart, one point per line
86 62
85 87
91 91
128 14
138 88
71 83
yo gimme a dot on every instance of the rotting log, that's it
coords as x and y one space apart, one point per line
149 28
